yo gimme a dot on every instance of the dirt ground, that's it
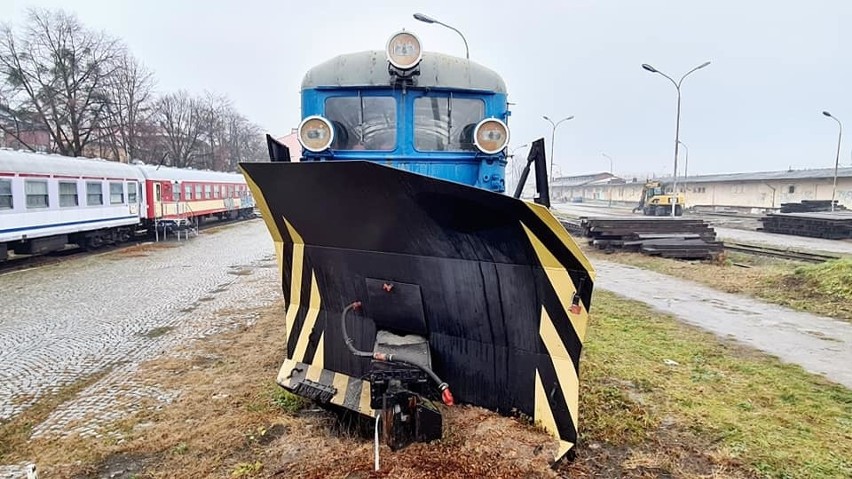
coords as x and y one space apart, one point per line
231 420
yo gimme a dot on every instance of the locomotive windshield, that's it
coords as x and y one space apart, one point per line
444 123
362 122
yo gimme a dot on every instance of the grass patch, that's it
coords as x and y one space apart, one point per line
645 373
824 289
154 333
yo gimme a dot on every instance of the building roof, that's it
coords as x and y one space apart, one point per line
817 173
370 69
595 179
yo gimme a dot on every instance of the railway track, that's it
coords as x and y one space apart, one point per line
779 253
25 262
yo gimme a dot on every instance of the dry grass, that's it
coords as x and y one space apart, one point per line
720 412
820 289
15 432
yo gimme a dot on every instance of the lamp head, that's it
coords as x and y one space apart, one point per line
424 18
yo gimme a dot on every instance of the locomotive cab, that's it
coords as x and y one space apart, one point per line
432 114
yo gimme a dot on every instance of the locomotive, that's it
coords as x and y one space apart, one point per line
409 277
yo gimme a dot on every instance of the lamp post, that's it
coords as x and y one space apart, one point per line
427 19
677 123
553 139
685 171
610 177
514 168
837 158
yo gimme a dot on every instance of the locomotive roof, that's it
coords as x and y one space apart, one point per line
370 68
14 161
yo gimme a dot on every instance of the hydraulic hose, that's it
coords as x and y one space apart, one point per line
349 342
446 395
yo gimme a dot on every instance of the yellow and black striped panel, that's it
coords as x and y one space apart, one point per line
351 393
498 279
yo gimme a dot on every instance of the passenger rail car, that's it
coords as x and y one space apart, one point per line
49 201
406 271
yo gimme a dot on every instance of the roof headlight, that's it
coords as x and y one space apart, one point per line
491 136
404 50
316 133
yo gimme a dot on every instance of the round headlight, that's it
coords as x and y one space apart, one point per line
491 135
315 133
404 50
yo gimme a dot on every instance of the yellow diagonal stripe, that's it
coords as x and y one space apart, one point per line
561 282
543 416
310 321
260 200
569 383
319 355
553 224
295 290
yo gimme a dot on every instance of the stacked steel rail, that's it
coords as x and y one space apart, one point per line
830 225
684 238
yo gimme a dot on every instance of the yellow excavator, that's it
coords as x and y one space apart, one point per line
655 202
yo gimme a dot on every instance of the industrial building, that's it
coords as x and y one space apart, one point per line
740 191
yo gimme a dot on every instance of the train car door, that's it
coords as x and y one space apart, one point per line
158 200
133 197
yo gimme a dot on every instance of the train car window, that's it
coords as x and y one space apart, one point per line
36 192
68 194
207 191
6 202
187 192
131 192
197 192
444 123
176 192
116 193
216 191
362 122
94 193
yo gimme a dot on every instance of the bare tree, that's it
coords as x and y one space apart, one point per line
245 142
130 94
56 70
181 120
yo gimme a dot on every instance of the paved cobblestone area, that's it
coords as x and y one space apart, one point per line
63 323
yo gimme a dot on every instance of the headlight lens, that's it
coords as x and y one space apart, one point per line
404 51
491 136
316 133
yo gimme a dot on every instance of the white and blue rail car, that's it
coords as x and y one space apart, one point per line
48 201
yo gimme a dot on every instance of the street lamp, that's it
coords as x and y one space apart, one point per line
553 139
427 19
685 171
677 124
610 177
837 158
514 169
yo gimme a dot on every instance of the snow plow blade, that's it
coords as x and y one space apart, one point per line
496 285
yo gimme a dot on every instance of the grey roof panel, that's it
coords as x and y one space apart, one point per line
817 173
370 69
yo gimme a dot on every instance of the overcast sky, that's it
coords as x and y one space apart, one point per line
776 64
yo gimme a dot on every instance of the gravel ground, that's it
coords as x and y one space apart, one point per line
64 322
